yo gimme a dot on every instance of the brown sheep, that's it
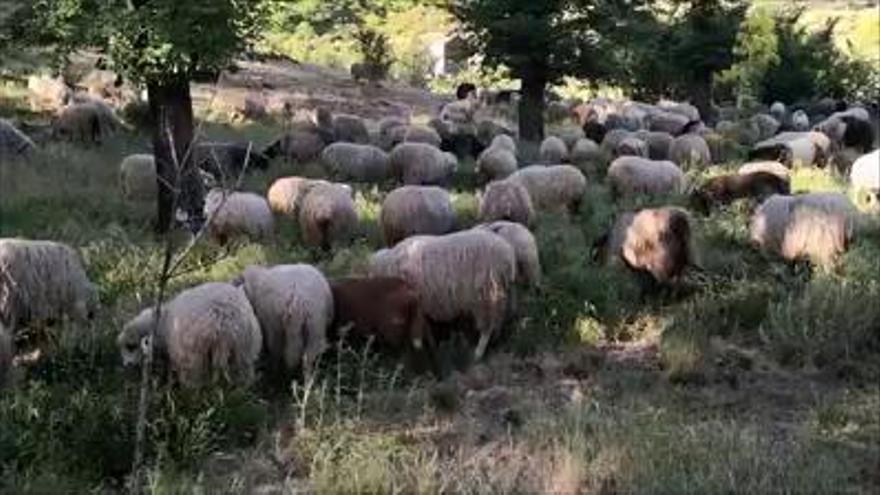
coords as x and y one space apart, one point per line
725 189
384 308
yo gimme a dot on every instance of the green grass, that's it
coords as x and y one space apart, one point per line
756 378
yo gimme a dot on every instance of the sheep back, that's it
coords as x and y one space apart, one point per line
506 200
356 162
553 151
631 175
137 177
413 210
525 249
690 150
233 214
554 187
421 164
327 215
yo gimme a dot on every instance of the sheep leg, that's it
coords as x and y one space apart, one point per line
481 346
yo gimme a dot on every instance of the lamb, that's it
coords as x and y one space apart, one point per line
205 333
631 146
632 175
137 178
506 200
554 187
294 306
234 214
495 162
422 164
356 162
13 142
7 354
864 176
413 210
725 189
384 308
814 226
770 167
525 249
350 129
465 274
422 134
299 146
690 150
41 282
655 242
86 122
226 161
327 215
553 151
658 143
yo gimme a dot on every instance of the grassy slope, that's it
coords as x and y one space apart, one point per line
762 378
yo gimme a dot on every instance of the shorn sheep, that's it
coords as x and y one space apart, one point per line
632 175
690 151
553 151
814 226
655 242
41 282
506 200
864 177
356 162
413 210
724 189
294 306
466 274
327 215
206 333
496 162
386 309
525 248
13 142
137 178
553 188
235 214
422 164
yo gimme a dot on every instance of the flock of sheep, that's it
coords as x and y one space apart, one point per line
431 273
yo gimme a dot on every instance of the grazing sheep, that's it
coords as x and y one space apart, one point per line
13 142
586 156
669 122
294 305
327 215
137 178
631 146
725 189
299 146
528 264
658 143
91 121
633 175
422 134
506 200
226 161
205 333
791 149
414 210
488 130
864 176
553 151
285 195
384 308
42 281
46 94
612 140
765 125
495 162
770 167
690 151
721 148
356 162
800 122
654 241
388 123
570 136
686 110
814 226
465 274
554 187
504 141
350 129
234 214
422 164
7 354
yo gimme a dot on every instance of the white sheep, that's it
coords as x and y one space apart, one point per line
585 155
690 151
422 164
42 281
814 226
327 215
13 142
686 110
350 129
464 274
632 146
294 305
570 136
792 149
765 125
205 333
356 162
137 177
504 141
285 195
552 188
658 143
633 175
233 214
528 263
662 121
778 111
553 151
770 167
495 162
422 134
864 176
506 200
301 146
89 121
413 210
800 121
612 140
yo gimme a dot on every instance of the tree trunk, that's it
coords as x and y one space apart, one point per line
701 97
180 185
531 109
